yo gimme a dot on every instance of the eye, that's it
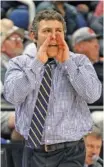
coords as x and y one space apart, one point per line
98 147
58 30
48 30
89 145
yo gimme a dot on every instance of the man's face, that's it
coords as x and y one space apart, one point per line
93 147
90 48
13 45
46 28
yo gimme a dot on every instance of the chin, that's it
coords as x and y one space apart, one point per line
90 161
51 56
52 52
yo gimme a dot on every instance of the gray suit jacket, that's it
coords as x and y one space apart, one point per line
97 165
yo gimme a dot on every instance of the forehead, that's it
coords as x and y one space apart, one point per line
49 24
91 40
93 140
15 34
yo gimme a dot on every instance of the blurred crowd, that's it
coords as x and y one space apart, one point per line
84 21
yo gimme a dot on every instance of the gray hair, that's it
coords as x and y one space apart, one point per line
96 131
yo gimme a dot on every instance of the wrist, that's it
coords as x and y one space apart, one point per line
43 59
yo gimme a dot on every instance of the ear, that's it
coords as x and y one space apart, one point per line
32 36
78 47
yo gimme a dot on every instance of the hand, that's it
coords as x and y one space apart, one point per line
63 53
42 52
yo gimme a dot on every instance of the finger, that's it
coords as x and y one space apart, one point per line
59 39
59 55
46 42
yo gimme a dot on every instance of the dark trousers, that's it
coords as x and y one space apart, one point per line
72 156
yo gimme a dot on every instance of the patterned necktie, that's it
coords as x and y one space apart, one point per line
40 110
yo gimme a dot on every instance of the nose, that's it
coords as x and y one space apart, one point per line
19 42
53 35
95 151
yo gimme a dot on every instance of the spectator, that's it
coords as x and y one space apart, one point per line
82 8
97 26
99 10
7 120
84 41
22 13
7 32
11 43
7 5
11 46
93 143
98 119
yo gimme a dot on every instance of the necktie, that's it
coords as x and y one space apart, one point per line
40 110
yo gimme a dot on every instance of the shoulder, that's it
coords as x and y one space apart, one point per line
4 57
70 8
44 5
97 165
78 57
22 60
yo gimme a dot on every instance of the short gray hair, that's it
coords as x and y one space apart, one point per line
96 131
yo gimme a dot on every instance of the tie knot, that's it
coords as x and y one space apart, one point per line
50 61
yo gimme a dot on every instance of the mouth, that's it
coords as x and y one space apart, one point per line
90 156
53 45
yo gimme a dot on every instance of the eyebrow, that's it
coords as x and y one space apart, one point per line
51 28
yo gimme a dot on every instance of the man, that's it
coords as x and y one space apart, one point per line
73 84
11 43
84 41
93 143
73 18
11 46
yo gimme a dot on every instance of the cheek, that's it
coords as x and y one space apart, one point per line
19 45
41 38
98 151
62 35
10 45
40 41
